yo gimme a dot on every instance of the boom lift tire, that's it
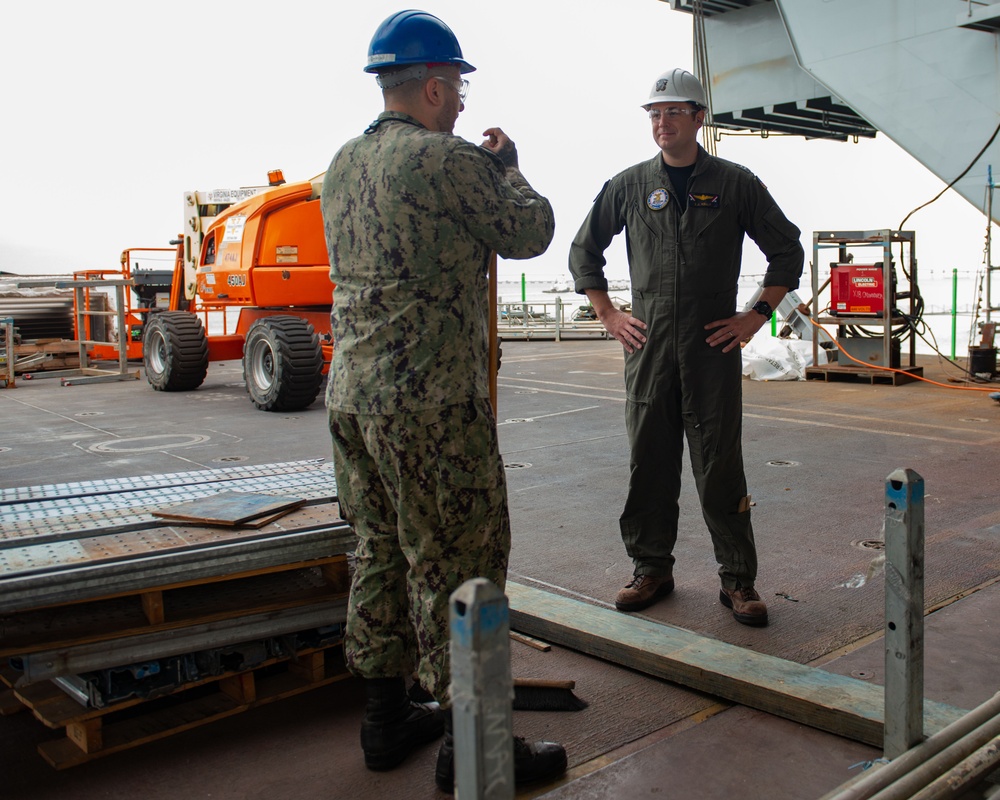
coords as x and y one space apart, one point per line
175 351
282 363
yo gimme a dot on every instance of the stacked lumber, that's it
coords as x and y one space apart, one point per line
36 355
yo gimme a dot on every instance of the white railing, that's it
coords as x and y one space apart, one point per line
556 320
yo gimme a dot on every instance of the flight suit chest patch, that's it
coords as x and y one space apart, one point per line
657 199
703 200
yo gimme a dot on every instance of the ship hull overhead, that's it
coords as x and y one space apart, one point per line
926 73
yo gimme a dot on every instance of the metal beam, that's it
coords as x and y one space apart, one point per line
138 574
49 664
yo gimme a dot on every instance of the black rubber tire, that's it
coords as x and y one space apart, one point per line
282 363
175 351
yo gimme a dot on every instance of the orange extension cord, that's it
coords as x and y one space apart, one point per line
903 371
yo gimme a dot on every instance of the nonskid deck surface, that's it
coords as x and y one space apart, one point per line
817 456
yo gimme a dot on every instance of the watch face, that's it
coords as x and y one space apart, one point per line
764 308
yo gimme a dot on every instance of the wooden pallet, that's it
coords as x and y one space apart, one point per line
173 606
864 375
93 733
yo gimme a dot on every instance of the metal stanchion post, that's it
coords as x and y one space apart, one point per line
904 612
482 692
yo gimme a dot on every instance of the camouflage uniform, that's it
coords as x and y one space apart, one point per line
411 216
684 270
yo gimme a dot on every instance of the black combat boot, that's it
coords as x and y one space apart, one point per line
393 725
538 761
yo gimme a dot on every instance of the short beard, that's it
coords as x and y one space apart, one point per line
445 120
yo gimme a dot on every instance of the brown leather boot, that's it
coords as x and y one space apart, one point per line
642 591
746 604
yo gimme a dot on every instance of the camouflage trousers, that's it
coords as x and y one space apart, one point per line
427 497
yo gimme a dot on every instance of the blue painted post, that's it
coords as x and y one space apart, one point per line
482 692
904 612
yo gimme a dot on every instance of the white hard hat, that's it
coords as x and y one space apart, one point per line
676 86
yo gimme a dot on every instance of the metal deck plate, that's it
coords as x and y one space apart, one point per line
52 491
77 541
47 556
111 507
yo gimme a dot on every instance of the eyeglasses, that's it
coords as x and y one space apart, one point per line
462 88
672 113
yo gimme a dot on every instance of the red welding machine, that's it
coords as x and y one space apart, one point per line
857 290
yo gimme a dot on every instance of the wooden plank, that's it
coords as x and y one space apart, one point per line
9 704
240 687
42 346
310 668
52 706
129 733
271 688
152 607
834 703
530 641
337 575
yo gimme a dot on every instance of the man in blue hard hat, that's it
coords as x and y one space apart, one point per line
685 214
411 215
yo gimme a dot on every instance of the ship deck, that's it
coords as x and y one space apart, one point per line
817 455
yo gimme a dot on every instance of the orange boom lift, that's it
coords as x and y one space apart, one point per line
258 255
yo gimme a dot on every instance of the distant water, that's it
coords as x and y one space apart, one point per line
935 287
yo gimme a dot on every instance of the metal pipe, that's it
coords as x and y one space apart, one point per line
956 780
875 780
62 661
918 778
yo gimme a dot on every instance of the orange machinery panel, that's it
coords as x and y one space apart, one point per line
292 236
292 286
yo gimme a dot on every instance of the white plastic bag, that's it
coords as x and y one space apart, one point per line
771 359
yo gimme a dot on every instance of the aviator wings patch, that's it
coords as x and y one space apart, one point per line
703 200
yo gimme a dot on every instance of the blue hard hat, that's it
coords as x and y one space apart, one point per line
414 37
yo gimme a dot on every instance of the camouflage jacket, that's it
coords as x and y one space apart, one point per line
411 216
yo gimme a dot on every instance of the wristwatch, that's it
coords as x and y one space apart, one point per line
763 308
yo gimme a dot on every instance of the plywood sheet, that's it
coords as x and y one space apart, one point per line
229 508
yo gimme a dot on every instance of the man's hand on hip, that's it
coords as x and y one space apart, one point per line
736 330
624 327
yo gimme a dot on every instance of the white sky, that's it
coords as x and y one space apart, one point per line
112 109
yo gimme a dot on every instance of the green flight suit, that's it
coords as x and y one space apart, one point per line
684 269
411 216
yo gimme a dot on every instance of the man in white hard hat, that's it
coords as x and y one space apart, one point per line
685 213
